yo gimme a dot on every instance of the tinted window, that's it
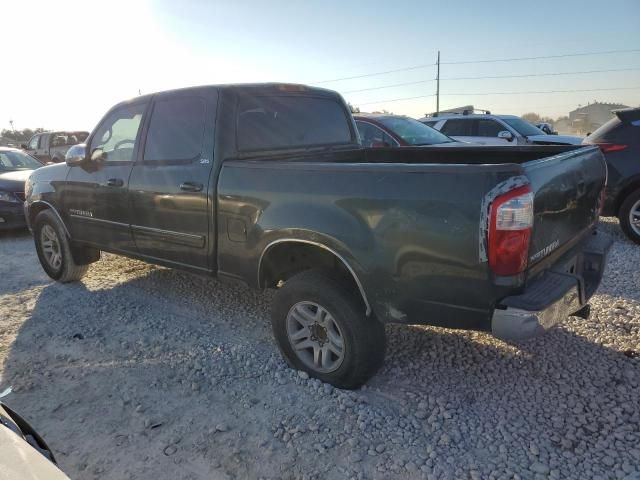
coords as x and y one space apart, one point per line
522 126
272 122
117 134
13 160
488 128
614 131
373 136
176 129
413 132
457 128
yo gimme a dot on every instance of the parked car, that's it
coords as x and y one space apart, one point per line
619 140
15 168
546 128
25 455
489 129
383 130
268 185
52 146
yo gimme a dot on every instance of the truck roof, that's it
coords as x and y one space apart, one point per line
264 88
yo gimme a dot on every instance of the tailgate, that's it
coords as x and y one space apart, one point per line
567 190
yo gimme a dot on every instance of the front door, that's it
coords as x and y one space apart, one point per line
170 205
33 145
486 132
96 198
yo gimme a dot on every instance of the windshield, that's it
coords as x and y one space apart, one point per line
413 132
15 160
523 127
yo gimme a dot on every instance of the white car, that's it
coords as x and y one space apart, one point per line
23 453
488 129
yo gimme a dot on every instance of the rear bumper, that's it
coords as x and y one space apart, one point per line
556 294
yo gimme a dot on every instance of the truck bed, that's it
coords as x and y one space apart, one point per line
465 154
410 221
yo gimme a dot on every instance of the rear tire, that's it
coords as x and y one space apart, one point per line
629 216
334 340
54 249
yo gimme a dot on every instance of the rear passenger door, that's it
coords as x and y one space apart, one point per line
169 185
460 129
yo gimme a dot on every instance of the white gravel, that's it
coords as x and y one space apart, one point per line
140 372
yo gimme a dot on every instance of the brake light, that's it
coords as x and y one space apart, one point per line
511 222
611 147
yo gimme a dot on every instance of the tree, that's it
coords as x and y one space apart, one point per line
353 109
534 118
20 135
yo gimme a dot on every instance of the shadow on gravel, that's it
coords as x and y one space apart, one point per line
134 381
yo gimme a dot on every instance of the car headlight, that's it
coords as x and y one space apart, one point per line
8 197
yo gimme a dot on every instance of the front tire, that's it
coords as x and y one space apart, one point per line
54 249
629 216
320 327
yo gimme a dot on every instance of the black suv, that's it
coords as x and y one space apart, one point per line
619 140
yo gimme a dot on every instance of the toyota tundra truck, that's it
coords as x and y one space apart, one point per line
269 185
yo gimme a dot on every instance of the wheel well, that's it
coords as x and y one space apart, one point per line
34 210
283 260
625 193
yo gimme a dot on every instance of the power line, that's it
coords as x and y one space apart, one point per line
564 55
415 67
462 62
550 74
503 93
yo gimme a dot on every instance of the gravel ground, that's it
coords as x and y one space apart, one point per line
140 372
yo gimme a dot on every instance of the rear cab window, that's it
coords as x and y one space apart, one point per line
274 122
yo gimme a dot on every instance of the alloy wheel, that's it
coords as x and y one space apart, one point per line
51 247
315 337
634 217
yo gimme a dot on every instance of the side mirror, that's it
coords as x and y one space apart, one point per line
505 134
76 155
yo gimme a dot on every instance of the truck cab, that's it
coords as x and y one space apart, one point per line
51 147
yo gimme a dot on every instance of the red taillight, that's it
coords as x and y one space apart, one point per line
611 147
510 224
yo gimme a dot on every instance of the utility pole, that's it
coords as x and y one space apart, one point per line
438 85
13 129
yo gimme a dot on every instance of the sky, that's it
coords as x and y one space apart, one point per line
67 62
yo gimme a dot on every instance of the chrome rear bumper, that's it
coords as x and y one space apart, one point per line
555 295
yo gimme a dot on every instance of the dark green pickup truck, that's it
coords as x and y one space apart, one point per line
269 185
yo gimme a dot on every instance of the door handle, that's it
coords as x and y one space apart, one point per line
191 187
115 182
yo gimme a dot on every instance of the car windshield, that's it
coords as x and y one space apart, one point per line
413 132
15 160
523 127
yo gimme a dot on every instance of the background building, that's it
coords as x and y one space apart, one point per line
586 119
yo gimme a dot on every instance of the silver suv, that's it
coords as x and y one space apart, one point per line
487 129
